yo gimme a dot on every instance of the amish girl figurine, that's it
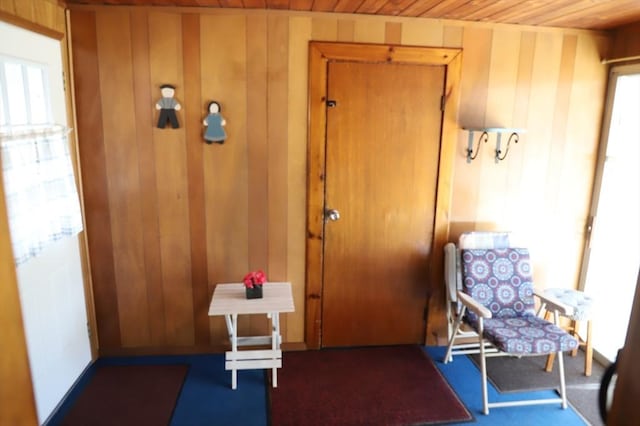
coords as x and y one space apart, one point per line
168 107
214 122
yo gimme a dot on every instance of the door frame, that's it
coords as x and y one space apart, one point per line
615 71
320 53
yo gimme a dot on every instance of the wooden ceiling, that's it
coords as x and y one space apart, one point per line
587 14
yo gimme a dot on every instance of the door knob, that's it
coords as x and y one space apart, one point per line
331 214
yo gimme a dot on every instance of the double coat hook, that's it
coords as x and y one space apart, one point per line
472 152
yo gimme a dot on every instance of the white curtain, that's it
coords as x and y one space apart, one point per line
42 200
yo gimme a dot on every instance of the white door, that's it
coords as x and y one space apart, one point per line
614 247
51 284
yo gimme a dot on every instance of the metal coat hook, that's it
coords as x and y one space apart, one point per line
484 135
470 155
513 137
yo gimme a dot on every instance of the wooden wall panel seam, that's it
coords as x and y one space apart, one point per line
147 176
277 115
121 161
195 150
166 66
94 176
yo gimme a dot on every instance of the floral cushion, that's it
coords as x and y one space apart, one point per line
527 335
501 280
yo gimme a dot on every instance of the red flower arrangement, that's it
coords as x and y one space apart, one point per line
254 279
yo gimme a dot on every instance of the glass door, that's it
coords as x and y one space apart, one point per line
613 252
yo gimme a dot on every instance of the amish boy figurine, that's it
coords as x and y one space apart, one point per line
168 107
214 122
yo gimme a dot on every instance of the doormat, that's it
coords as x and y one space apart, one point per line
128 395
395 385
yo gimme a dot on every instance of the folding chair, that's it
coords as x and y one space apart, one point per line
497 302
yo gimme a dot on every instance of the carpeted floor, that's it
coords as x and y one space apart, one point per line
130 395
396 385
207 399
464 377
527 374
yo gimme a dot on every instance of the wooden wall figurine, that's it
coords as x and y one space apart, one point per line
215 125
168 106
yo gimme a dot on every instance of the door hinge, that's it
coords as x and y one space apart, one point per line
331 103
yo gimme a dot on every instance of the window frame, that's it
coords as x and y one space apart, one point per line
25 65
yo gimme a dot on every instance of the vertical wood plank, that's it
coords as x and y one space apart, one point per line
278 155
195 174
581 149
226 166
473 100
520 116
346 29
94 176
423 32
299 36
25 9
452 36
277 107
277 112
8 6
258 153
369 31
558 133
45 14
165 58
116 72
393 33
501 89
324 29
146 163
531 215
257 141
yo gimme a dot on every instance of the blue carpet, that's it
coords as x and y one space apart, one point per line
208 400
464 377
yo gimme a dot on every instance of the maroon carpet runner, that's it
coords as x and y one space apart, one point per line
396 385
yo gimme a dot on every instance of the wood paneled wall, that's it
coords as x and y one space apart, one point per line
43 16
626 41
168 216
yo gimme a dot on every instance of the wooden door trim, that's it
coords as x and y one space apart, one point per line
320 53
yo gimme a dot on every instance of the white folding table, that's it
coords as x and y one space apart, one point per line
230 300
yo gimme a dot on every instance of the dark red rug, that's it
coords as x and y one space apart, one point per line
396 385
135 395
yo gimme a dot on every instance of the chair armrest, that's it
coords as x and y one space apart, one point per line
553 303
474 306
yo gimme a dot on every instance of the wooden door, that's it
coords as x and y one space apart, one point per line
383 138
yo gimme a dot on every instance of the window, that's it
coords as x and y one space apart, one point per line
42 200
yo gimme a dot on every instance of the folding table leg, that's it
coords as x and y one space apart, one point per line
275 343
232 329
